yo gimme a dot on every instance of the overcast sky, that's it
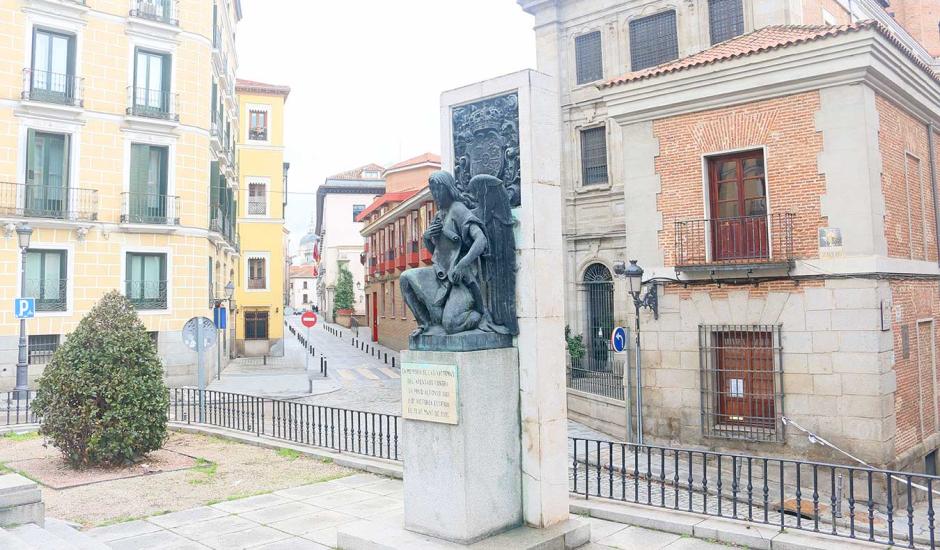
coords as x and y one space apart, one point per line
366 75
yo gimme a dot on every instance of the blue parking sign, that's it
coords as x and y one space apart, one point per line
220 318
24 308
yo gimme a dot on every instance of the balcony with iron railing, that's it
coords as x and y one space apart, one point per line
256 283
413 252
161 11
146 294
51 200
259 133
158 104
56 88
49 292
400 259
747 242
150 208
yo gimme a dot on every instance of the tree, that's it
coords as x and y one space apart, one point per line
344 290
102 398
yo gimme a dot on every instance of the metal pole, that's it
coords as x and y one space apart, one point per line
200 375
627 390
639 384
307 355
22 364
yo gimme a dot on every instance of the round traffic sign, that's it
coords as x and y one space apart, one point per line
308 319
618 339
209 334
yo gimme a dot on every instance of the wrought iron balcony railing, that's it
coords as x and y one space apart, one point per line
150 208
257 206
743 241
256 283
50 293
258 134
47 87
153 103
146 294
50 200
163 11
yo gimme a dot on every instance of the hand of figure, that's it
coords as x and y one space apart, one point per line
434 229
457 274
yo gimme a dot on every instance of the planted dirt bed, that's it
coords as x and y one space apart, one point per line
190 470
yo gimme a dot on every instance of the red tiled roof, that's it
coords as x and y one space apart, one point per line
762 40
303 271
385 199
418 160
356 173
243 85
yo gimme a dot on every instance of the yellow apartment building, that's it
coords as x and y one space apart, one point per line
118 120
259 292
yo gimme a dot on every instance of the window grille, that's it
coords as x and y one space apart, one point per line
258 125
256 276
256 325
588 57
41 347
741 378
599 370
257 199
725 19
653 40
594 155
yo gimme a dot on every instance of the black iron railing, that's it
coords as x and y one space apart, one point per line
16 408
598 374
150 208
48 87
882 506
147 294
49 292
745 240
258 134
163 11
148 103
51 200
343 430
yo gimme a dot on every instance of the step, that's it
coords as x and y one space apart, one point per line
71 535
39 538
9 541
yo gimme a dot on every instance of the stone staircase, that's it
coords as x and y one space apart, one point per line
23 525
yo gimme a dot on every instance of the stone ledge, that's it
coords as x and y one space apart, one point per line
368 535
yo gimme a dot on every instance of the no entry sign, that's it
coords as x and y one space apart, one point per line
309 319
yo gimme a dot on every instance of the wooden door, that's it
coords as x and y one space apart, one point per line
738 193
745 378
375 317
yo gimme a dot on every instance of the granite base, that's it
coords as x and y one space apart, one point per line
466 341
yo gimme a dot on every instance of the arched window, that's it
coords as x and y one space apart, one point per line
599 309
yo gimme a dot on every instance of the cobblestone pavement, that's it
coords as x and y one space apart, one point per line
307 517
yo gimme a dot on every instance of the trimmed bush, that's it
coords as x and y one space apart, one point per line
102 398
345 299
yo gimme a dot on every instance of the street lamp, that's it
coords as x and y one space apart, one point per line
23 234
634 276
229 290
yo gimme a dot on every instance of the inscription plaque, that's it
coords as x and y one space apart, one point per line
429 392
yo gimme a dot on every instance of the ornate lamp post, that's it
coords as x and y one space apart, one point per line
634 276
23 234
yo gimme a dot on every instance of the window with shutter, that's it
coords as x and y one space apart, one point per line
594 155
653 40
147 197
146 280
588 57
725 19
46 278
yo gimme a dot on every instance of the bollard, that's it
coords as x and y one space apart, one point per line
386 358
393 362
325 369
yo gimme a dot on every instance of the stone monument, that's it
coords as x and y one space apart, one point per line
484 438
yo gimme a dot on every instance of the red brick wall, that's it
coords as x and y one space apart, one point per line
920 18
910 225
785 126
394 326
915 401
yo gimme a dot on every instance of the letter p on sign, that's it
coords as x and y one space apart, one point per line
24 308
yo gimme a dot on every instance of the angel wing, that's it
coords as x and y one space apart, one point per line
498 263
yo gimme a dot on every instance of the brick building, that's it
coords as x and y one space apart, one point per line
393 226
774 172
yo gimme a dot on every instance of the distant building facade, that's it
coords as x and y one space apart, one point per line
392 226
340 199
302 287
780 192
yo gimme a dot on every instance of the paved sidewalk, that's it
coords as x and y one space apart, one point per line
307 517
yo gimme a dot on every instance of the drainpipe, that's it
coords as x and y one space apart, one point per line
932 155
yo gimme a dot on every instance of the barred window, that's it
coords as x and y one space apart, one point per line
256 274
653 40
257 199
256 325
588 58
41 347
594 155
725 19
742 381
257 125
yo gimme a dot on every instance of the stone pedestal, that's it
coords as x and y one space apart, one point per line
463 481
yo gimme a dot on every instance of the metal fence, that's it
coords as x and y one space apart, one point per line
599 377
344 430
882 506
16 408
745 240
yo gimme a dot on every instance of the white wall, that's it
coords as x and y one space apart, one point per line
342 241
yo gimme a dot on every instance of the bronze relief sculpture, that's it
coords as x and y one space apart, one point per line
465 300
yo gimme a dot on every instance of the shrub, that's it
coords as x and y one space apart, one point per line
102 398
576 347
345 298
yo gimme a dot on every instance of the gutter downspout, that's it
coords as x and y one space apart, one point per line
932 155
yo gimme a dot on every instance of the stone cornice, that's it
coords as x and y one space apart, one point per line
864 56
